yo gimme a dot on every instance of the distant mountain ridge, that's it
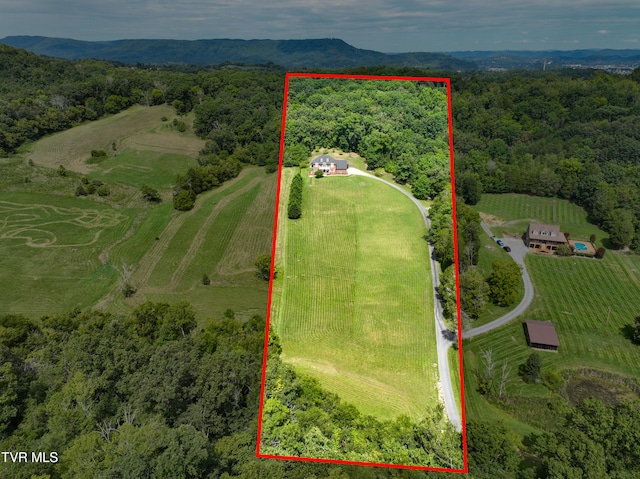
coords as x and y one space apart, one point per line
315 53
622 61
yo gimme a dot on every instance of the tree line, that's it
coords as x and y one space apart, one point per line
294 207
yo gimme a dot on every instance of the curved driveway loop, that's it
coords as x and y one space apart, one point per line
518 252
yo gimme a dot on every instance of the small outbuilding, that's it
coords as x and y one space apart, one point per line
541 335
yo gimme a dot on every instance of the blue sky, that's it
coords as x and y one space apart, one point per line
383 25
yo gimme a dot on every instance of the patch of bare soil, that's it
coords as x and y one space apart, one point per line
491 220
609 392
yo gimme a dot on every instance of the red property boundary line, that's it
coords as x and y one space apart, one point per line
447 83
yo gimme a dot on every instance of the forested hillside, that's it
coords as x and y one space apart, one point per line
400 127
290 54
40 95
575 136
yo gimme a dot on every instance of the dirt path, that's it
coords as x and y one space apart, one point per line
104 255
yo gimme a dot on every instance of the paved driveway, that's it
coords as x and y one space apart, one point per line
518 252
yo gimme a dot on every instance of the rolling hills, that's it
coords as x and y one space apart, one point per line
290 54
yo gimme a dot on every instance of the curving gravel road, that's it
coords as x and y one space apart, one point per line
445 338
518 252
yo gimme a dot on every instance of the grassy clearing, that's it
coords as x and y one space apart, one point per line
513 212
51 247
168 252
138 128
352 302
135 168
576 294
222 236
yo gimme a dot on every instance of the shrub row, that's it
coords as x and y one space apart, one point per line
294 210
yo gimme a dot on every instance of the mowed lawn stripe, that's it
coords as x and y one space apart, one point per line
352 303
518 210
157 266
575 294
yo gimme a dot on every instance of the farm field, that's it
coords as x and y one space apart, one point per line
221 237
64 251
512 213
592 304
51 247
574 293
138 128
352 301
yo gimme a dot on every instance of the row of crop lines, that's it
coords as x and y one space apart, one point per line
253 234
213 240
318 268
592 303
192 224
381 338
575 294
512 206
519 210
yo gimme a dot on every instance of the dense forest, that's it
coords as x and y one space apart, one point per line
302 420
398 126
153 395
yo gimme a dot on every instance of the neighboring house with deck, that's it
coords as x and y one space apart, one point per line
329 165
542 238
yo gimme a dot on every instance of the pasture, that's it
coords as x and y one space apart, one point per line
137 129
50 247
64 251
512 213
135 168
352 302
221 237
591 302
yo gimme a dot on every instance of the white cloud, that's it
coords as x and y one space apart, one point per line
603 32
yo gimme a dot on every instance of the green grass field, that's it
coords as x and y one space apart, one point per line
51 247
352 301
138 128
138 167
592 304
64 251
513 212
221 237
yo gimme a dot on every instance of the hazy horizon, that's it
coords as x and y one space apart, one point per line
390 26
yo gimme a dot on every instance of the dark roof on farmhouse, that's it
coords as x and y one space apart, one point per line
327 160
542 332
538 231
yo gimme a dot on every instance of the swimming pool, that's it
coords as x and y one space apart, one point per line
580 246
